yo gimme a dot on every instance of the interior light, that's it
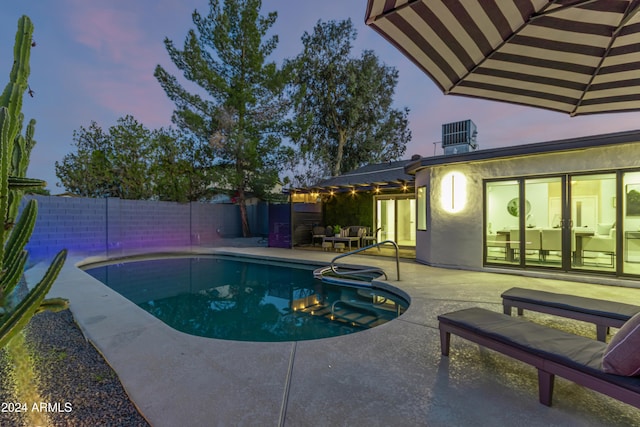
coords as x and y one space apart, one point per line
454 192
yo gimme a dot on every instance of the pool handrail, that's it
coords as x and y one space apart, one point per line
355 251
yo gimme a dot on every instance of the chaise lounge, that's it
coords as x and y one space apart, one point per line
602 313
553 352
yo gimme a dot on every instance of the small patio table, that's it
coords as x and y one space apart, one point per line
347 240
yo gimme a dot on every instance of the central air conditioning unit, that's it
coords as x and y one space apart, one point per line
459 137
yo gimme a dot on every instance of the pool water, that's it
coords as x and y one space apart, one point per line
233 299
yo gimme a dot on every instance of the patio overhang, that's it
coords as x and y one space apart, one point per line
377 178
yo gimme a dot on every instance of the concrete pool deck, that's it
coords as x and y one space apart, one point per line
389 375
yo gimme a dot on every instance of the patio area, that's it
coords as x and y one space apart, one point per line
384 251
390 375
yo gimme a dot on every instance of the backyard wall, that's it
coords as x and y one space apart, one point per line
117 227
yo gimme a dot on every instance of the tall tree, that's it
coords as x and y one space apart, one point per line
179 167
85 172
132 162
112 164
243 106
343 105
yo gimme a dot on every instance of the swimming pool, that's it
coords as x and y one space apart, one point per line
228 298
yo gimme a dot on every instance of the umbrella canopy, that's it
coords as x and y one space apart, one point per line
575 56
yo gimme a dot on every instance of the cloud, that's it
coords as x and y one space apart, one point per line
116 70
111 32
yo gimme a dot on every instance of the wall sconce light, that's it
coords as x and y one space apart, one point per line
454 192
353 191
377 190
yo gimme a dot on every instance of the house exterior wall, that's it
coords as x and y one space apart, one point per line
455 239
423 237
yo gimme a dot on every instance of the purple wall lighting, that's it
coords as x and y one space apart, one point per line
116 227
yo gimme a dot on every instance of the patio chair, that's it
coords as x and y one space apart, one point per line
367 239
317 232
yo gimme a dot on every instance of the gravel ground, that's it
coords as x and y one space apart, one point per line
72 375
7 418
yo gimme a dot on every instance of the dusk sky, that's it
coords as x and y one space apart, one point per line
94 60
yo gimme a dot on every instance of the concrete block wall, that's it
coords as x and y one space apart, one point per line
75 223
211 222
116 227
133 225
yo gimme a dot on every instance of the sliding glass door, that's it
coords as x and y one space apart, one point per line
502 222
560 222
593 218
524 223
545 229
396 219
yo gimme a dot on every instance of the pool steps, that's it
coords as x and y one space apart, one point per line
348 313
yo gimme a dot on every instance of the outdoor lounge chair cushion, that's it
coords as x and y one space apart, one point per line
541 340
578 352
622 355
593 306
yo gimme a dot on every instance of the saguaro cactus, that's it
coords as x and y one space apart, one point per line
14 235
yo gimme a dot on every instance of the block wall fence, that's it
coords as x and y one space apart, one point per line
116 227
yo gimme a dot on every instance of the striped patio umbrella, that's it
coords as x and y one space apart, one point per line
575 56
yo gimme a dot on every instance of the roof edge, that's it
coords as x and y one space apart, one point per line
569 144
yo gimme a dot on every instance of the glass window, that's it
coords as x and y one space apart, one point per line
631 223
502 221
593 220
421 199
543 222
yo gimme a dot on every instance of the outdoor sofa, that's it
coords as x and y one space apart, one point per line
349 235
554 352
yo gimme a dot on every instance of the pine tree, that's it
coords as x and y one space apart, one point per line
241 108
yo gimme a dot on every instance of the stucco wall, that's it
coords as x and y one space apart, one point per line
455 239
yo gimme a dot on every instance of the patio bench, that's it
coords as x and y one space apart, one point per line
551 351
602 313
